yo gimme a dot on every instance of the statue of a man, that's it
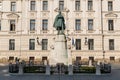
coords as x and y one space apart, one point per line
59 23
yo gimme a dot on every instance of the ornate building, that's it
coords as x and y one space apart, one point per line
92 28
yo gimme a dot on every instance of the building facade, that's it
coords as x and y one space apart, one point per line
92 26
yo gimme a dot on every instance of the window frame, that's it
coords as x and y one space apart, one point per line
44 44
12 25
77 22
32 24
32 5
0 25
90 44
31 44
78 44
45 6
90 24
111 25
11 44
77 5
61 5
45 24
111 44
90 5
110 5
13 6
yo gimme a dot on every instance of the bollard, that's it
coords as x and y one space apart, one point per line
47 70
70 70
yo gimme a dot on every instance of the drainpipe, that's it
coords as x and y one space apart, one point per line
102 33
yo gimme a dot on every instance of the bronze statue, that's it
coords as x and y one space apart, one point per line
59 23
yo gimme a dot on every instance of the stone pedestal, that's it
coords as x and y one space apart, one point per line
90 63
70 70
59 53
20 69
98 72
47 70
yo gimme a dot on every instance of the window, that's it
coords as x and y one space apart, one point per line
12 44
32 24
110 25
78 58
78 44
13 6
90 44
11 58
32 6
90 4
61 5
32 44
91 58
44 58
45 5
0 6
90 24
44 44
110 5
77 5
31 58
12 25
77 24
0 25
111 44
112 58
44 24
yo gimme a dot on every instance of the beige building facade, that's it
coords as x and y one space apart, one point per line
92 28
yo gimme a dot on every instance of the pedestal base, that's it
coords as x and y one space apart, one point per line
59 54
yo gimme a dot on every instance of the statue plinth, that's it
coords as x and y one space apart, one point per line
59 54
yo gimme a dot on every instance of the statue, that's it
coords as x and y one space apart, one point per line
59 23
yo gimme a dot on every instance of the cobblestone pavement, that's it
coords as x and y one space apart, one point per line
115 75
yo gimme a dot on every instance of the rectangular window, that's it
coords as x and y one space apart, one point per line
44 44
112 58
44 24
12 44
78 58
78 44
111 44
110 25
90 5
77 24
45 5
110 5
13 6
90 24
91 58
12 25
0 25
77 5
61 5
0 6
32 5
32 44
32 24
90 44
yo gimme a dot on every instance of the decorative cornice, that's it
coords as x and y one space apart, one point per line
111 15
13 16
